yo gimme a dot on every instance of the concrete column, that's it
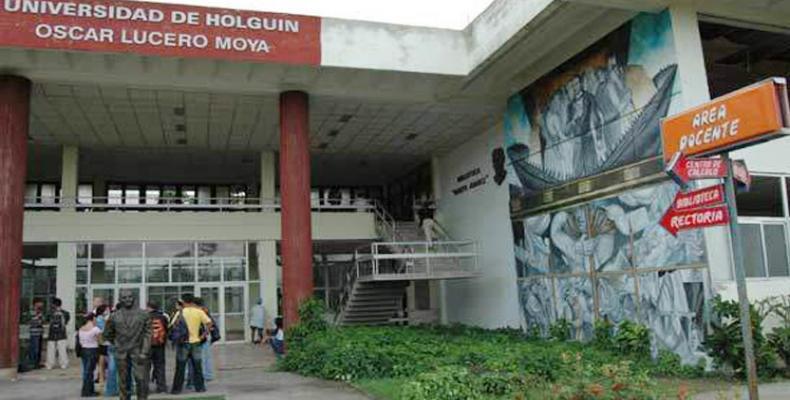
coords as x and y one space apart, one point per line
267 268
694 91
66 282
438 288
267 191
69 176
14 119
296 229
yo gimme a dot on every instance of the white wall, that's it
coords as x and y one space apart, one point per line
480 214
45 226
769 157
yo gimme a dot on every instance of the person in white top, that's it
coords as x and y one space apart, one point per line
89 337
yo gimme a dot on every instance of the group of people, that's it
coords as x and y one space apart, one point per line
57 320
124 347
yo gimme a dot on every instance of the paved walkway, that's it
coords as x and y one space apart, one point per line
768 391
242 372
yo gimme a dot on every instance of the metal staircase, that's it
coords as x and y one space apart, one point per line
374 290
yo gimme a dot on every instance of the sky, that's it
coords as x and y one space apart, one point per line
451 14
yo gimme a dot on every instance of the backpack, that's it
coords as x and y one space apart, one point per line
57 326
158 331
213 333
77 345
179 332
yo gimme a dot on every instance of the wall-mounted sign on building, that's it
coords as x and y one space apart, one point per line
753 114
154 29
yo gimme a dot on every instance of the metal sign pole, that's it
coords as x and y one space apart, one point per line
740 280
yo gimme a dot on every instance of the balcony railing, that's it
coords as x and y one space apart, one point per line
217 204
417 260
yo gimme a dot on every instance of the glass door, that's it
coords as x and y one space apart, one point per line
227 305
233 309
212 296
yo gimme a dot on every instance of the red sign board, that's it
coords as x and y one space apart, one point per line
155 29
705 197
675 221
683 169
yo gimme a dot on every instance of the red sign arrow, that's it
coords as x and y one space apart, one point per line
675 221
683 169
705 197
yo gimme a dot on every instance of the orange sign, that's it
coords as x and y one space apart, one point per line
753 114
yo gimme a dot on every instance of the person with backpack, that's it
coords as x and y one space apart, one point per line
208 337
56 340
159 324
185 333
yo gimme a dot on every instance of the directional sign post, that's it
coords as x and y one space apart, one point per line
754 114
675 221
682 169
705 197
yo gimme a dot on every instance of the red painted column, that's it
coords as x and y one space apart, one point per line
14 114
296 245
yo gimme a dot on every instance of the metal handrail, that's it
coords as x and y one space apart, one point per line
181 203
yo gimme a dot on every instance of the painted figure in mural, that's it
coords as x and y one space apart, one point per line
597 111
615 235
129 331
537 304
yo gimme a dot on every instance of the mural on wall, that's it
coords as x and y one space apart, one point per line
599 110
615 249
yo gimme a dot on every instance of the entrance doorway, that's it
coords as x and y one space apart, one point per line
227 304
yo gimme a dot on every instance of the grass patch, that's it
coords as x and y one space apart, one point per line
383 389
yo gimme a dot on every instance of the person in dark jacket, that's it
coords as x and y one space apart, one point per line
159 322
56 340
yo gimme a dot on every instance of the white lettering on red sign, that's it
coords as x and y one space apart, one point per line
700 218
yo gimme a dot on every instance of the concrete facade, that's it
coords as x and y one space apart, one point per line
386 98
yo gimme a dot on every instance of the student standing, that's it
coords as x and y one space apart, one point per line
36 328
56 340
159 324
256 322
185 330
89 342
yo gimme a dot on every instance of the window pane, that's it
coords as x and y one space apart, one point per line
183 270
156 270
130 271
85 193
102 272
168 249
116 250
209 270
82 272
152 194
234 269
753 260
252 256
776 249
764 198
114 195
221 249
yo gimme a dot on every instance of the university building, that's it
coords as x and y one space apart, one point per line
242 155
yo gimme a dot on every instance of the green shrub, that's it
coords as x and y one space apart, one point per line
725 343
446 383
560 330
603 333
632 338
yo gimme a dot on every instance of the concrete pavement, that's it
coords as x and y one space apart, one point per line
242 372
